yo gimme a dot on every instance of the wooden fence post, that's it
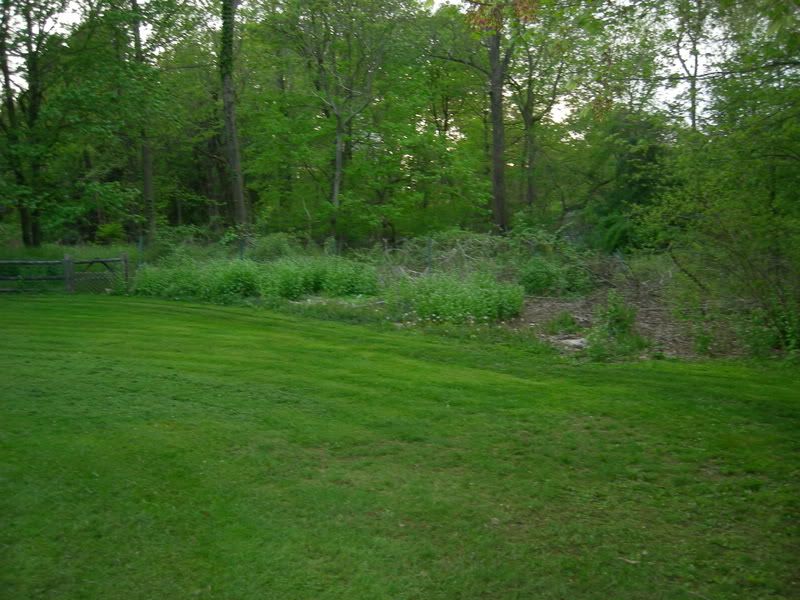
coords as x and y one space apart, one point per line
69 273
125 272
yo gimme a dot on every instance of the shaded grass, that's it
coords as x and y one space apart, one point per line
156 449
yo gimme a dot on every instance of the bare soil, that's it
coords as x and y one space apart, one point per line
654 320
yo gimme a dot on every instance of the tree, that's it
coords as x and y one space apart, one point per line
229 110
344 45
27 141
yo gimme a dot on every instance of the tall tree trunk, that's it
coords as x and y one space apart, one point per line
25 224
213 185
338 165
338 169
285 167
496 80
530 161
229 109
12 124
148 191
35 94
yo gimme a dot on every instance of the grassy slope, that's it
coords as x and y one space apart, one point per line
164 450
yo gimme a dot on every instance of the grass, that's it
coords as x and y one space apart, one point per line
154 449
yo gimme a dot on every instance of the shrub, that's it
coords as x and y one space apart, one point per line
229 281
447 298
613 335
271 247
348 278
222 282
226 281
181 281
109 233
563 322
564 275
766 333
540 276
293 278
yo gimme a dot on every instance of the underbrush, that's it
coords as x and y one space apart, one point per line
613 335
459 278
453 299
231 281
294 278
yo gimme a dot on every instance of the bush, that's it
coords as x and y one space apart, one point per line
452 299
541 276
348 278
271 247
109 233
562 323
229 281
226 281
613 335
169 281
766 333
564 275
293 278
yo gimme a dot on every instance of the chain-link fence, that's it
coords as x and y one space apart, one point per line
95 275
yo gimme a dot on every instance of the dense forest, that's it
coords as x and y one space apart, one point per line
625 127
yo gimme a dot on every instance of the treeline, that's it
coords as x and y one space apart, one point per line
652 125
381 120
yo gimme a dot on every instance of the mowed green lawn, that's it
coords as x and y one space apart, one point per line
156 449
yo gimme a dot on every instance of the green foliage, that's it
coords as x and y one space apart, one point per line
177 244
613 335
293 278
272 246
176 282
562 323
766 333
110 233
226 281
230 281
343 277
448 298
541 276
555 275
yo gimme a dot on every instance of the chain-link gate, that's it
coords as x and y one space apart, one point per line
94 275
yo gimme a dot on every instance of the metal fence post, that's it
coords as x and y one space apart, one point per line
69 273
125 272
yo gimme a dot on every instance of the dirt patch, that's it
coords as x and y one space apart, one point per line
654 321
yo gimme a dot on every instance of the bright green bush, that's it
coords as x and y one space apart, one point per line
229 281
221 282
447 298
293 278
110 233
348 278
